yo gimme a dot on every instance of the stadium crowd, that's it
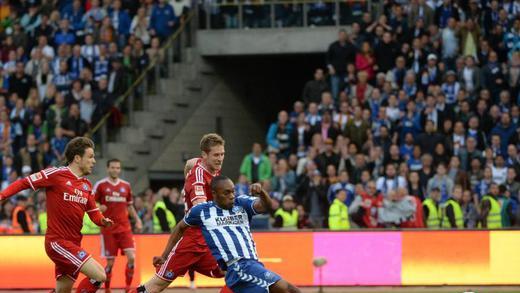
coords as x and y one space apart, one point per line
63 64
412 122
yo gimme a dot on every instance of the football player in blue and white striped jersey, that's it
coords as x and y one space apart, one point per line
225 226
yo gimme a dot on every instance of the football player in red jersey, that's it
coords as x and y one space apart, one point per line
192 252
69 196
116 202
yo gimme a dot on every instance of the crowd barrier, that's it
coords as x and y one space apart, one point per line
353 258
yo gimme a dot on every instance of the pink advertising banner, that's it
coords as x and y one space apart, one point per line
358 258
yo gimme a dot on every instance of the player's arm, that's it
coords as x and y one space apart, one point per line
37 180
264 203
97 197
95 215
192 218
197 195
14 188
176 235
133 214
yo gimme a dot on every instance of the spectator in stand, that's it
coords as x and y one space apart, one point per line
314 88
121 22
441 181
420 10
19 82
326 128
356 128
312 193
19 121
56 112
139 26
342 184
77 62
30 155
391 181
451 211
242 185
385 53
469 210
505 130
162 20
74 14
58 143
339 54
117 79
64 35
62 79
431 214
365 60
490 211
87 106
397 208
39 129
286 217
327 157
338 212
365 207
73 125
512 185
21 221
90 51
278 136
284 179
256 166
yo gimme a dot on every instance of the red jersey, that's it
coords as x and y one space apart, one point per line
197 186
373 203
68 198
417 219
117 197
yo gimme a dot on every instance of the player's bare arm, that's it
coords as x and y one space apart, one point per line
97 218
133 214
265 203
176 235
189 165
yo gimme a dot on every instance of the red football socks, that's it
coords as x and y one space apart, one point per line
129 275
88 286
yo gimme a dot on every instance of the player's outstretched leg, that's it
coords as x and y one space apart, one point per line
191 273
108 271
64 284
129 271
95 277
282 286
154 285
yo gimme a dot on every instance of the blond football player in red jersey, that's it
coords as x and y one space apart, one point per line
69 196
192 253
116 202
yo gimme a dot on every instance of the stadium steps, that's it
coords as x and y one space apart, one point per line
151 130
222 111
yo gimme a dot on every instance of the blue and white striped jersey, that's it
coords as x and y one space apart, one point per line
226 232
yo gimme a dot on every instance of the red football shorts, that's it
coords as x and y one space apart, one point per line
111 243
67 256
188 255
